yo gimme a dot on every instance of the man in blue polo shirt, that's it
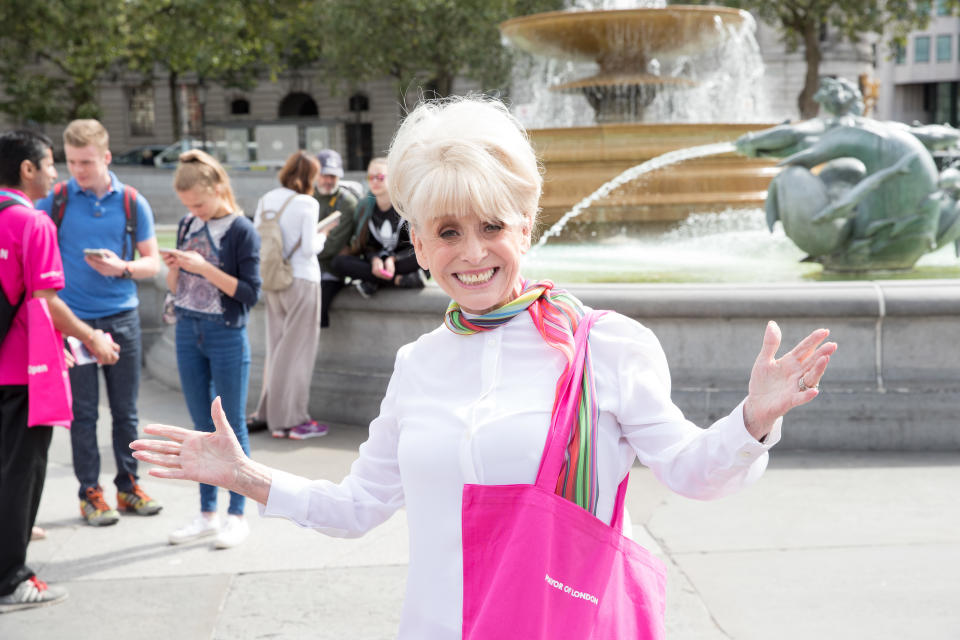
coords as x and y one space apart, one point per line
100 267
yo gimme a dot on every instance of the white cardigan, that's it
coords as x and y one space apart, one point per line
476 409
299 222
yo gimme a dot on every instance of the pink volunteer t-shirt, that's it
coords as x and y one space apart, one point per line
29 261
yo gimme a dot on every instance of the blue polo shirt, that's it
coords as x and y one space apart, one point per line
97 223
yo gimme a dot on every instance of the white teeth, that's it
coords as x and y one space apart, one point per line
475 278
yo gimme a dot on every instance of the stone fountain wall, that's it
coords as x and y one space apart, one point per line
894 384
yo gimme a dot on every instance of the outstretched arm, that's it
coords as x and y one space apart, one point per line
778 385
212 458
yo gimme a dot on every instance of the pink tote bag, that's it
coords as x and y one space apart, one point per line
48 385
536 565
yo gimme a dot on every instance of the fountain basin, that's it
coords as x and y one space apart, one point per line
891 386
578 160
622 39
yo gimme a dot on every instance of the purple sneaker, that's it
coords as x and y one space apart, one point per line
312 429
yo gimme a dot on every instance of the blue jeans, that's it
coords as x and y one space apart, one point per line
123 386
214 359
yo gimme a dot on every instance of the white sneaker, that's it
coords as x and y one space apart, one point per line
235 530
32 592
199 527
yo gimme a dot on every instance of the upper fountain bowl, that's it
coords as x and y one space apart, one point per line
622 40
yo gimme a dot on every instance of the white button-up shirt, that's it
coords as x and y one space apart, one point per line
476 409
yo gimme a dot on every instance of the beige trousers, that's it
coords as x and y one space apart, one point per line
293 329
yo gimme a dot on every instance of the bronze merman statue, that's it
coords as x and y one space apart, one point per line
859 194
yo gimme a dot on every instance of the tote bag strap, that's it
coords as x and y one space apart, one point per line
567 405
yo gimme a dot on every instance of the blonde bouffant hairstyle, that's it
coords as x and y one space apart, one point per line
199 168
464 155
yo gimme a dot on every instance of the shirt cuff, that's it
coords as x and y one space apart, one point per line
285 491
747 447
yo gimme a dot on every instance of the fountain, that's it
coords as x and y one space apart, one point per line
624 43
646 64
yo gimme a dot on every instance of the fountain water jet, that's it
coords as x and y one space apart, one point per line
660 162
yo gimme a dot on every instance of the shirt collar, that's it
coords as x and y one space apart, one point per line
115 186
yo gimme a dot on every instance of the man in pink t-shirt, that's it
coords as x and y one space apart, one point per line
30 267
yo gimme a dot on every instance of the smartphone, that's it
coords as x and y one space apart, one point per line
80 352
162 250
100 253
329 221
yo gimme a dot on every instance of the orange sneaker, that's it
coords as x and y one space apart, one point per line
137 501
95 509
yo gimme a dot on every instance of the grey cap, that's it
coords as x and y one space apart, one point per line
330 163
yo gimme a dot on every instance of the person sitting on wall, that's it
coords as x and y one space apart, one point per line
333 196
383 255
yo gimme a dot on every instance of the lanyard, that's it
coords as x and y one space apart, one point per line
16 196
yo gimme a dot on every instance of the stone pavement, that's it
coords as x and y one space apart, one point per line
824 546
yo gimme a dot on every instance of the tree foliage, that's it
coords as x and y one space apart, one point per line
799 23
53 51
420 43
229 42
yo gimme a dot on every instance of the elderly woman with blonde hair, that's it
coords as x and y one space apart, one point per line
470 402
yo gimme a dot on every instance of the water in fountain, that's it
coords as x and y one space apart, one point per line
730 246
726 80
661 161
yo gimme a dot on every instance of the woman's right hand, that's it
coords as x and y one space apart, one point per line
212 458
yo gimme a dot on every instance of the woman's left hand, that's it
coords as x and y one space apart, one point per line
778 385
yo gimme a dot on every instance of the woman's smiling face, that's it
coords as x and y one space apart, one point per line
476 262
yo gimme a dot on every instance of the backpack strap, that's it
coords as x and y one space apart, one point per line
279 215
8 310
182 230
59 205
289 200
130 210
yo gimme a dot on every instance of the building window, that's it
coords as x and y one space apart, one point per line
239 107
359 102
296 105
944 48
944 102
921 49
923 7
900 53
942 8
142 115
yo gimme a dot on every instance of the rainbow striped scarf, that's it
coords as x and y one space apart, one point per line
556 314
